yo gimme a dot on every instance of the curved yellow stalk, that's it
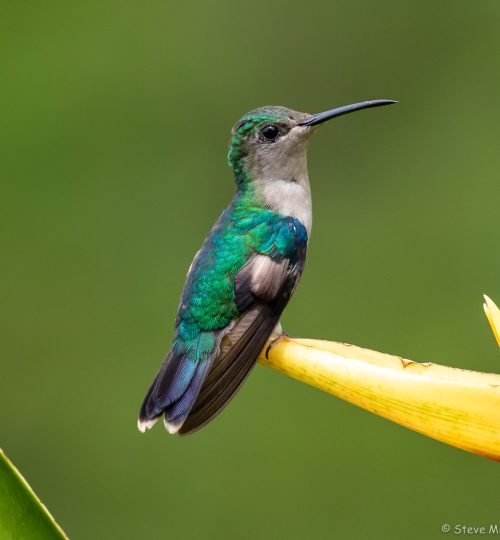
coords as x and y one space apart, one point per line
455 406
493 314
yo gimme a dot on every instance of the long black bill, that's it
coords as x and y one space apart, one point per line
321 117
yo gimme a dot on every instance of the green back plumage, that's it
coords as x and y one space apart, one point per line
208 298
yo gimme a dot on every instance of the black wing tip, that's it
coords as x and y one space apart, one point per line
191 425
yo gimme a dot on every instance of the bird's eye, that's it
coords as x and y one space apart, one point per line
270 132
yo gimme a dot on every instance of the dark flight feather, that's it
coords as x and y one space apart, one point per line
242 344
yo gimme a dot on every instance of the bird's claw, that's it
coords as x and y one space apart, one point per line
272 342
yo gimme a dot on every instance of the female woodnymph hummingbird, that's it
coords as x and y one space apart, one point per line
246 271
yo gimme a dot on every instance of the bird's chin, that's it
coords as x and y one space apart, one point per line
302 133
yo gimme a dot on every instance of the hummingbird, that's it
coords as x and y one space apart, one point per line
247 269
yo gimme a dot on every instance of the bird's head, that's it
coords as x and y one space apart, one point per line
270 143
264 141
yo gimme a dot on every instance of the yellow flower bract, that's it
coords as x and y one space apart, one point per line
493 314
456 406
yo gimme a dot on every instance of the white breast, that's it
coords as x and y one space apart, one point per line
279 173
290 198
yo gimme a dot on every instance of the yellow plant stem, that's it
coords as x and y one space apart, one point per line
493 315
455 406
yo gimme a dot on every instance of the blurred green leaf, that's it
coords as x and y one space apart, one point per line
22 514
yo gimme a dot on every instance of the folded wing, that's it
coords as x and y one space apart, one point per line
262 289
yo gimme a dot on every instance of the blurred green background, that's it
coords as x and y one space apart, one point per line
115 120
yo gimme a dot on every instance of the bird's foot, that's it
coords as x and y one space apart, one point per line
275 337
